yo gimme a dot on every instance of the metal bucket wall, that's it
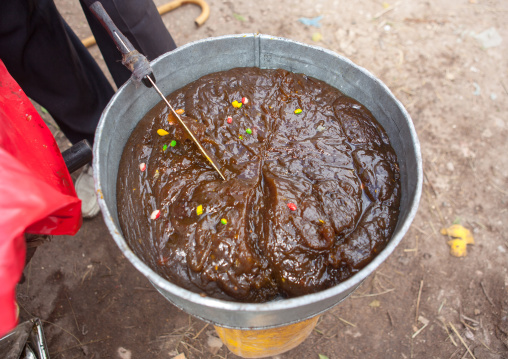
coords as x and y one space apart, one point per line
192 61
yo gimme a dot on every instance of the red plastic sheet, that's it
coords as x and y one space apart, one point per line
36 191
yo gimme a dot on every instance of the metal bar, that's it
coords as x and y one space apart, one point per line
187 129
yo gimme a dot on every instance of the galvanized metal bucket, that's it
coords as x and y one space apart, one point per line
194 60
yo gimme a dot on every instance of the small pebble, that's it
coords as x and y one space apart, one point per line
142 167
249 131
298 110
165 147
162 132
230 119
477 89
180 111
199 210
155 214
292 206
236 104
245 100
173 143
224 221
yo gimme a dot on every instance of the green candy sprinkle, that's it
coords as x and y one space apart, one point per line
173 143
249 131
224 221
165 147
240 137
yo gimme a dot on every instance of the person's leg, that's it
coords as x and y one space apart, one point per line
140 22
52 66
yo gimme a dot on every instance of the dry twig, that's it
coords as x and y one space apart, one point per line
441 306
485 345
425 323
197 335
485 292
73 314
388 9
447 331
418 301
80 345
145 289
419 230
462 340
373 294
467 325
348 323
496 187
65 330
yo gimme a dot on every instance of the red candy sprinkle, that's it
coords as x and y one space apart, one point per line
155 214
230 119
292 206
245 100
142 167
163 261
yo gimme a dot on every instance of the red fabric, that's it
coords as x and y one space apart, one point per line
36 191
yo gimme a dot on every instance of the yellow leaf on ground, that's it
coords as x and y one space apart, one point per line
458 231
316 37
461 238
375 303
458 247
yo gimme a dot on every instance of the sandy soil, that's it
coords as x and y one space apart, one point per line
94 303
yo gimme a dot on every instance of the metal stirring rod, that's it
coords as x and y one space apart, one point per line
186 128
141 70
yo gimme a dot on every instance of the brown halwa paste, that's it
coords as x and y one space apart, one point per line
310 197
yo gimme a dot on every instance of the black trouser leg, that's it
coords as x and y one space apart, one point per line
140 22
52 66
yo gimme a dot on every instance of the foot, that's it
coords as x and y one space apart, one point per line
86 192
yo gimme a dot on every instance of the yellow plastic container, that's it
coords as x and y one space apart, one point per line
266 342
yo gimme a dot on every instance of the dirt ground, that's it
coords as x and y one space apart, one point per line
422 302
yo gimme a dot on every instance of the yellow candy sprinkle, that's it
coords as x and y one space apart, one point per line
199 210
180 111
224 221
236 104
298 110
162 132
